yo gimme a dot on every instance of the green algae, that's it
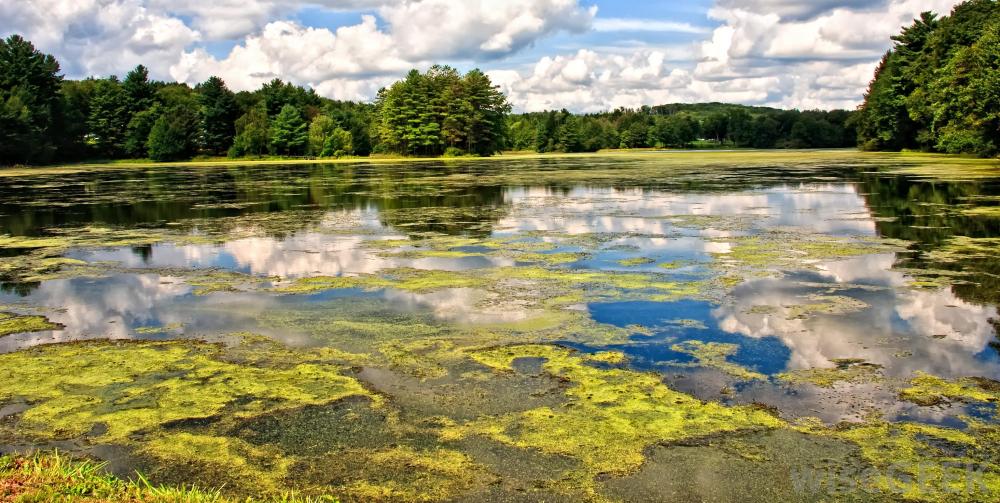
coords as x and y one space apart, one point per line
11 323
209 282
715 355
853 371
826 304
921 462
156 330
255 469
676 264
783 249
127 388
927 390
610 415
983 211
637 261
410 280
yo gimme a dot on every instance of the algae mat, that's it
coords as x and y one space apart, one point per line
803 326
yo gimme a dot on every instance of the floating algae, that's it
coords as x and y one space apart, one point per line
634 262
127 388
846 371
610 415
921 462
715 355
926 390
11 323
826 304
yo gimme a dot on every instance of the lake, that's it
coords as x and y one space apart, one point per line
637 327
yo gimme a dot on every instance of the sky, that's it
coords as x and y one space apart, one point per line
582 55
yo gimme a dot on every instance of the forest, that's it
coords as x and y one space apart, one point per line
45 118
938 89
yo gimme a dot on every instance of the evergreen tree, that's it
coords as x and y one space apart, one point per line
218 110
109 118
935 90
29 102
289 133
139 91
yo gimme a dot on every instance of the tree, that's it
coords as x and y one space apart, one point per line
425 113
109 118
327 139
936 89
139 91
29 102
289 134
218 111
173 136
252 133
138 130
716 126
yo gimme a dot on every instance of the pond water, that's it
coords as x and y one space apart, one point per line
497 325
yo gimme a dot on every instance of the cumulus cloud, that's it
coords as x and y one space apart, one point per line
352 62
99 37
767 52
787 53
346 62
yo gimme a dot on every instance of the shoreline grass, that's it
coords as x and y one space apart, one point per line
710 154
57 477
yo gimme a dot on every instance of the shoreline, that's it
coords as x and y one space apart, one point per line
753 154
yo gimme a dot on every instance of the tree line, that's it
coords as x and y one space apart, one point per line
938 88
45 118
682 126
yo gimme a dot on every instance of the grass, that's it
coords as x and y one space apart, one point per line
52 477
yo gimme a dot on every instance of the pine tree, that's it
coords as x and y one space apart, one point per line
109 117
289 133
29 102
218 111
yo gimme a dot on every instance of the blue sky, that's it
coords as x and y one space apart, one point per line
576 54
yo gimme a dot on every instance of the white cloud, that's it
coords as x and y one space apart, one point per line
787 53
630 24
479 29
352 62
347 61
781 53
99 37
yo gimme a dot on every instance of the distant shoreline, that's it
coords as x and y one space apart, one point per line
755 154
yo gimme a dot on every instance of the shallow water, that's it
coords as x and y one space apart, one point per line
786 264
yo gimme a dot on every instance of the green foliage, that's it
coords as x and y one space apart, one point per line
140 92
138 129
29 102
218 110
289 135
327 139
680 126
252 134
425 114
174 135
109 117
938 88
